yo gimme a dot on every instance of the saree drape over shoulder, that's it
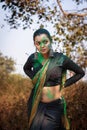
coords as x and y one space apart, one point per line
44 116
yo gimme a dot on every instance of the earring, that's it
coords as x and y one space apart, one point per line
35 54
51 51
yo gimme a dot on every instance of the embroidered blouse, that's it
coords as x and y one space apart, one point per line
55 69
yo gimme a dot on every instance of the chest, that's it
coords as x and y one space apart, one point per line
55 68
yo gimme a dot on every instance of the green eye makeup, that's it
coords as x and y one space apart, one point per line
43 42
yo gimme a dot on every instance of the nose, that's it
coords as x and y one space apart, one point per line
42 44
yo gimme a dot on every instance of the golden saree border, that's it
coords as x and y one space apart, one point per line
38 81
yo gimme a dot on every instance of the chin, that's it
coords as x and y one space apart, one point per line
44 52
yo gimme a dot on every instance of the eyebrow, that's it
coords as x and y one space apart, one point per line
37 41
42 40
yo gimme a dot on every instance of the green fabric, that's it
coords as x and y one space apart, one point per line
65 119
64 102
39 60
38 82
61 87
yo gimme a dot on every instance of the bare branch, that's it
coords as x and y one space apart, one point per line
70 14
60 6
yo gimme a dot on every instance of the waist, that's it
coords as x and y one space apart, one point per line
54 102
51 93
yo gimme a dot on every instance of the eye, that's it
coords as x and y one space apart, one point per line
37 43
45 41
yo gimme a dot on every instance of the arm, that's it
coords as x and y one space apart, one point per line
28 66
79 73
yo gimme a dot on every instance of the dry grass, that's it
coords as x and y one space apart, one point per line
14 93
76 97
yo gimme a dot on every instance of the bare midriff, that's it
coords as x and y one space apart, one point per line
50 93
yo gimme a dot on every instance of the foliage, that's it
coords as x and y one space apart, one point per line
20 10
76 105
70 28
79 1
72 35
6 66
24 12
13 103
14 93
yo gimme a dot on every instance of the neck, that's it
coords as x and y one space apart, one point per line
46 56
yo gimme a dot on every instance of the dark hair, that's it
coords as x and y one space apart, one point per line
42 31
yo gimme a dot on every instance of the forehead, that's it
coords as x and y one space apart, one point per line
41 37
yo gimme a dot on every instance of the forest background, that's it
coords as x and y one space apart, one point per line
69 29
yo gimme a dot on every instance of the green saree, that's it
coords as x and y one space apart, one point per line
38 83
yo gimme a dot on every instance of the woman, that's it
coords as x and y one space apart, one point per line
46 69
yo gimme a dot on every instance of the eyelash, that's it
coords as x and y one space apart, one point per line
45 42
38 43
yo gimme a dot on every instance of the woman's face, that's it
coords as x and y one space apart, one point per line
42 43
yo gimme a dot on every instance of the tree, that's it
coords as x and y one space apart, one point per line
24 10
70 28
6 66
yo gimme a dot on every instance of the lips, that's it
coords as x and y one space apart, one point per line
43 50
